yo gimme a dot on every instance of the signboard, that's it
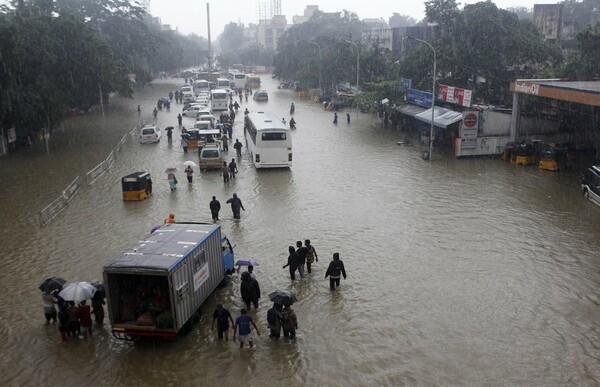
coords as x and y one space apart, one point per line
11 135
527 88
201 276
418 97
455 95
470 127
404 84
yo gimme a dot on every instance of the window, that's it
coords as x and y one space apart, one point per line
148 131
199 260
273 136
210 154
182 291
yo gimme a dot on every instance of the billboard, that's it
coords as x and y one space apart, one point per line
420 98
455 95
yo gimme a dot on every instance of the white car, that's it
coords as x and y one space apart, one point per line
193 110
203 112
150 134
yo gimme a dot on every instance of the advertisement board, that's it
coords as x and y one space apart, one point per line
455 95
418 97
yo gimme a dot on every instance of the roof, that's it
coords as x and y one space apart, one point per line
164 249
583 92
410 110
442 117
265 121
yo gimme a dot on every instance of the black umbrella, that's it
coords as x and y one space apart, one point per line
100 290
169 128
51 284
283 297
184 135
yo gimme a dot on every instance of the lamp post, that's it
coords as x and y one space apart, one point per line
357 69
320 62
432 95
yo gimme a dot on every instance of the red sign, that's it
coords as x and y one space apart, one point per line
455 95
470 120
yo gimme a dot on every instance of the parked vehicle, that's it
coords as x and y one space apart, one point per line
590 185
211 156
194 110
260 96
554 157
528 153
136 186
155 289
150 134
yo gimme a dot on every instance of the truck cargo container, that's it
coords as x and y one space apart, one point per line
156 288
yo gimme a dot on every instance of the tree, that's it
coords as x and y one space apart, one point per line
397 20
584 64
523 13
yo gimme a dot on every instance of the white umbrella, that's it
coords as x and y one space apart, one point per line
78 291
190 163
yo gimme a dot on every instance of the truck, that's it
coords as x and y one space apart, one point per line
156 288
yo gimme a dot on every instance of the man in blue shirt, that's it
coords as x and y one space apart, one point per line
242 325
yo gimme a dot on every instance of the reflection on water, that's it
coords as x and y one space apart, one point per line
459 271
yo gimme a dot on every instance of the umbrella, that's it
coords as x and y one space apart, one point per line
190 163
77 291
283 297
246 262
171 170
51 284
169 128
100 290
185 135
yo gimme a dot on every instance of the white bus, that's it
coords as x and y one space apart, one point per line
219 99
201 85
223 83
269 141
239 80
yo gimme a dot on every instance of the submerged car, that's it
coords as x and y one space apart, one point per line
211 156
150 134
590 185
260 96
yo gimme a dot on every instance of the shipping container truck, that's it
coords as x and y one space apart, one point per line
156 288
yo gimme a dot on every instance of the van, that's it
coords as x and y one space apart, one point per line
202 125
187 89
590 184
211 156
188 97
193 110
260 95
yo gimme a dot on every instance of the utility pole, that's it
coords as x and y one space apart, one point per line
209 47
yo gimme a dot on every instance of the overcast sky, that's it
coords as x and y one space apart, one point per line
190 15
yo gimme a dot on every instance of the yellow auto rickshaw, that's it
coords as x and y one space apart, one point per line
557 156
137 186
192 138
527 153
509 152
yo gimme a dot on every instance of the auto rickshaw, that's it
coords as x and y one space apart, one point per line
527 153
193 137
509 152
137 186
556 156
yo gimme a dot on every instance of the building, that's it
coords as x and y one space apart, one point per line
551 22
308 12
269 31
381 36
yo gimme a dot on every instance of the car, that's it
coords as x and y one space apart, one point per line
210 119
150 134
260 95
590 185
211 156
203 112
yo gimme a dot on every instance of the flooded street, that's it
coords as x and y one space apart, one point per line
460 272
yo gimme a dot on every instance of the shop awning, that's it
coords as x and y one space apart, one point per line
442 117
410 110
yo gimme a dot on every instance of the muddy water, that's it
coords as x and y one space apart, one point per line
464 272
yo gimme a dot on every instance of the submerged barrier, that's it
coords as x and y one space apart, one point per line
54 208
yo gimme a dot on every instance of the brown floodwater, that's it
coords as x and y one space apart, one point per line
460 272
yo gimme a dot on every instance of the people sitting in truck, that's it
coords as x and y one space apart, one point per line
170 218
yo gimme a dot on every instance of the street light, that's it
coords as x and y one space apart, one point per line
320 61
357 70
432 96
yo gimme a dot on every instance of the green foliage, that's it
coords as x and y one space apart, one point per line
61 54
584 64
397 20
481 40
